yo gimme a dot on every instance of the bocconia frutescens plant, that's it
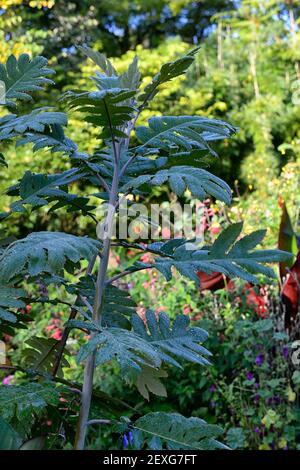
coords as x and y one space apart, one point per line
129 160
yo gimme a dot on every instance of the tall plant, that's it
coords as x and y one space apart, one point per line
129 161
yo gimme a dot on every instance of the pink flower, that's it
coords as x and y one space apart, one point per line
147 258
166 233
27 309
57 335
258 303
187 309
7 380
215 229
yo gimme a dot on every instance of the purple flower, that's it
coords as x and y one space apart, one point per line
7 380
256 398
275 400
249 376
285 352
257 430
212 388
256 385
125 441
259 359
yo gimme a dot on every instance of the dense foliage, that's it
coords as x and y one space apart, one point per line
257 91
90 142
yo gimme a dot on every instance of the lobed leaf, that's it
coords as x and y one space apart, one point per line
44 252
173 431
227 255
10 298
127 348
183 133
167 72
12 125
23 76
38 190
21 404
199 182
173 344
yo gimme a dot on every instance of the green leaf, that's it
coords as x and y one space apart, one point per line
232 257
296 377
7 316
176 133
41 355
175 432
132 77
127 348
2 161
104 108
235 438
129 79
22 76
19 404
45 252
194 158
117 303
38 190
117 307
262 326
149 381
180 342
167 72
99 59
200 182
10 298
37 443
9 439
52 138
38 120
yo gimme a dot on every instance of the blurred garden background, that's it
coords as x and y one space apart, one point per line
247 72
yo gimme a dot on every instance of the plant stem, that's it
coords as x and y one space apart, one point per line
86 397
125 273
98 421
87 389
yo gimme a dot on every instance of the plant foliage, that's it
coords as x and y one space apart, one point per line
173 431
127 161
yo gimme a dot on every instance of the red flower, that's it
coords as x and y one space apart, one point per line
57 334
215 229
147 258
258 302
55 328
187 309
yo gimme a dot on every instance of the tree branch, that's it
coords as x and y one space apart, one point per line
103 182
98 421
125 273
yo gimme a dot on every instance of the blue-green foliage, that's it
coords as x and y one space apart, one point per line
170 150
